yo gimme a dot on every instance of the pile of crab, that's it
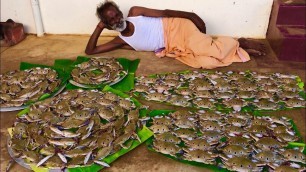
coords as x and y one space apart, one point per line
203 89
236 141
21 86
75 128
98 70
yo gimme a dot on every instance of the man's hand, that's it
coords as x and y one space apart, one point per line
101 25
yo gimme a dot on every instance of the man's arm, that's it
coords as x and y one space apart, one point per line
142 11
92 47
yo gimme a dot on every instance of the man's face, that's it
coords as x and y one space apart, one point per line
114 19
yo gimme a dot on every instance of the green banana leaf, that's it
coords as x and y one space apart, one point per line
62 75
143 134
215 168
126 84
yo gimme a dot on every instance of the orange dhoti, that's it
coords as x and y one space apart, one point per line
184 42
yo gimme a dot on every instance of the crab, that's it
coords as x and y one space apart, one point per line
245 94
286 168
185 123
248 87
141 88
111 96
260 121
200 156
211 126
281 120
20 130
179 101
48 150
286 137
180 114
236 150
234 103
160 88
210 116
120 141
101 154
146 80
184 91
265 104
212 136
238 122
269 158
233 76
172 83
264 95
192 75
287 95
268 143
239 164
126 104
242 115
239 140
64 142
185 133
166 147
167 137
162 120
158 128
204 103
295 102
223 87
258 130
157 97
174 76
106 114
294 156
225 95
200 86
291 87
233 131
265 81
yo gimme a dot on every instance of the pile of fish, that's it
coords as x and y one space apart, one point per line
98 70
20 86
75 128
240 141
203 89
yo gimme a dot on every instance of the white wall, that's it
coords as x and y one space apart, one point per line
237 18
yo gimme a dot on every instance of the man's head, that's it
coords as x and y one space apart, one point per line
109 13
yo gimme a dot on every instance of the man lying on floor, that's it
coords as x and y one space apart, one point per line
170 33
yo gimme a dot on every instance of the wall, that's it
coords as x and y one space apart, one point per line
237 18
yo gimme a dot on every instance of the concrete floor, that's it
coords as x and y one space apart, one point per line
50 47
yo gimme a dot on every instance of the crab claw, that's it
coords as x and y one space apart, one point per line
102 163
43 160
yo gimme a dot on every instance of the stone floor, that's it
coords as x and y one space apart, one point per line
50 47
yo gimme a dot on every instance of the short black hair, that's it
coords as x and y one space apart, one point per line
103 6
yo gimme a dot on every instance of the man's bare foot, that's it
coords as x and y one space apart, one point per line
254 48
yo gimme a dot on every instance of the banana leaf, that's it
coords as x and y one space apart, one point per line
221 107
126 84
143 134
149 143
62 75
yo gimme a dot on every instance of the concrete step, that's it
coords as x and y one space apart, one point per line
291 12
289 42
